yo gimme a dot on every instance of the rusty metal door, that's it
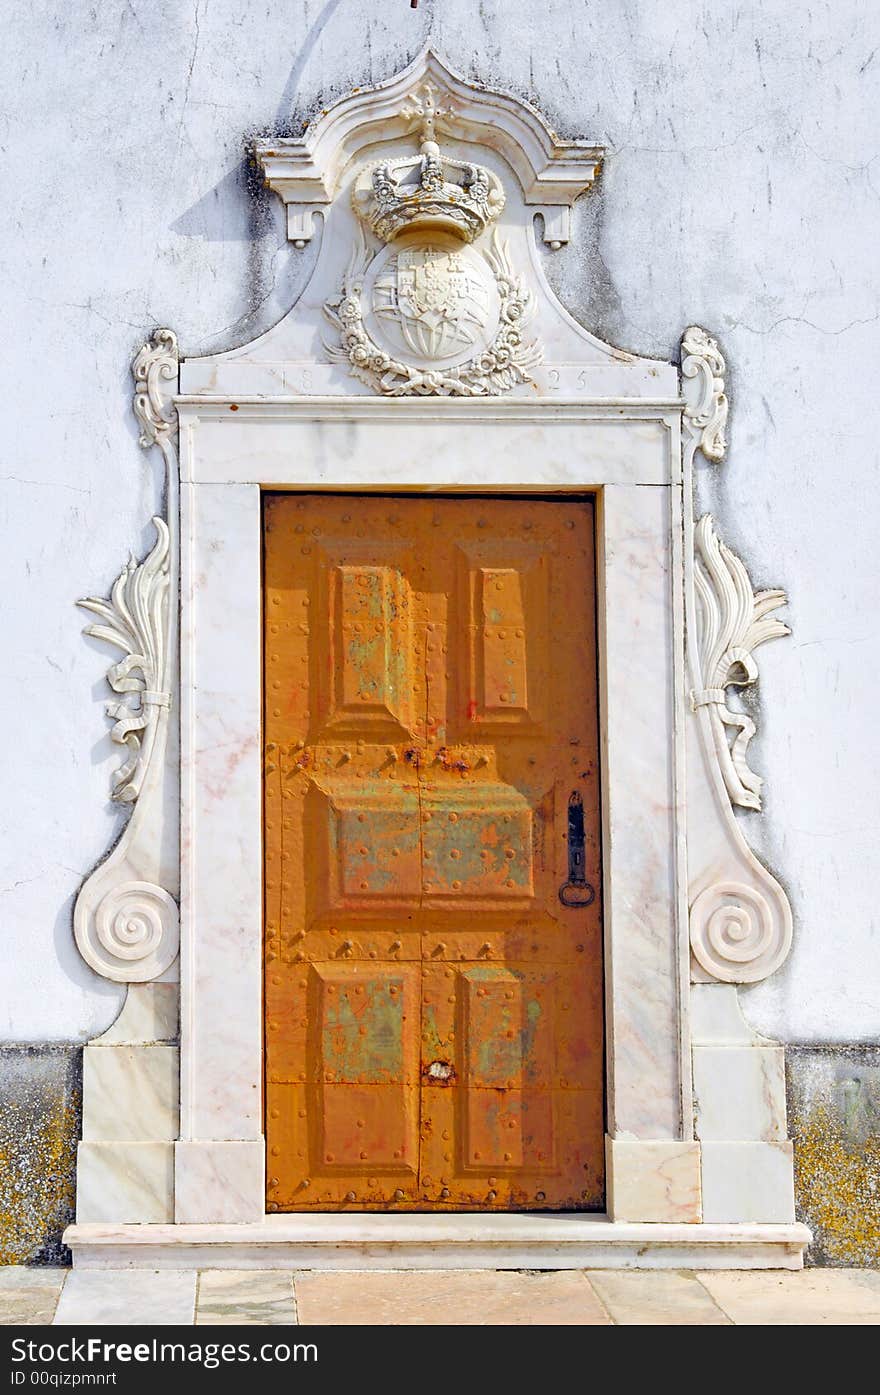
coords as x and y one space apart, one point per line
434 1026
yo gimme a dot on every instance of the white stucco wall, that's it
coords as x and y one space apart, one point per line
739 193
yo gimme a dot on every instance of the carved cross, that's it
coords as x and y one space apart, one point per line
423 108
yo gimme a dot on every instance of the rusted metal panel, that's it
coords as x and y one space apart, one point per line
433 968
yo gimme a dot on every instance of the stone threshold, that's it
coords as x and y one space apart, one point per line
500 1241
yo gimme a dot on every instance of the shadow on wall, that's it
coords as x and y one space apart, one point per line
240 207
40 1116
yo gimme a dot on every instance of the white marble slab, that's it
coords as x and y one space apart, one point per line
125 1182
748 1182
717 1019
130 1093
217 1181
221 852
127 1298
739 1093
366 446
149 1014
440 1241
639 870
651 1181
251 1298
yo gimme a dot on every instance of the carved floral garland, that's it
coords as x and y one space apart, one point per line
506 363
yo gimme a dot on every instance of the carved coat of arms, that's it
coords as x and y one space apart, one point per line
432 303
430 314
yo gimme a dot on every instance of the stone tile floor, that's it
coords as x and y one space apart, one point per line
574 1297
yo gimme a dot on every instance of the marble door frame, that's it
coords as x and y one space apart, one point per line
629 456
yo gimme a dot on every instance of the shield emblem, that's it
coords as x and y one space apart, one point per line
434 301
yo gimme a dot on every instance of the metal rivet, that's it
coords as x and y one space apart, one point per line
399 1195
350 1196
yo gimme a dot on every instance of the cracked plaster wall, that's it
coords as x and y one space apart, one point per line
740 193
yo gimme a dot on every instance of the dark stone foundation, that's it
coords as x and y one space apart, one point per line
834 1119
40 1118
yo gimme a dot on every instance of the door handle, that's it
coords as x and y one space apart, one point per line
577 891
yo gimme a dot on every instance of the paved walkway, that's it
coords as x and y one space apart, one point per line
575 1297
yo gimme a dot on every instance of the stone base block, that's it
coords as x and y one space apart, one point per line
219 1181
653 1181
125 1182
748 1182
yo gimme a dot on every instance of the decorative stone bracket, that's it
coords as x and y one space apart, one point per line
126 918
740 918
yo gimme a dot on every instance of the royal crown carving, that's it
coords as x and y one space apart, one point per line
428 191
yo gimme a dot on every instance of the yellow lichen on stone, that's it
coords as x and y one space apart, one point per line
837 1182
39 1127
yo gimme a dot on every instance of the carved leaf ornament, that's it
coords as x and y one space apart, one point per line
733 622
134 620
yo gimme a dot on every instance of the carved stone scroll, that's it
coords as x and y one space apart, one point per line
126 919
739 916
702 367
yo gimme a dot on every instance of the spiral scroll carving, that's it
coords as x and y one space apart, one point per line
737 935
134 934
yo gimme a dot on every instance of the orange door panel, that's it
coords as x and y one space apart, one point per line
434 1031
